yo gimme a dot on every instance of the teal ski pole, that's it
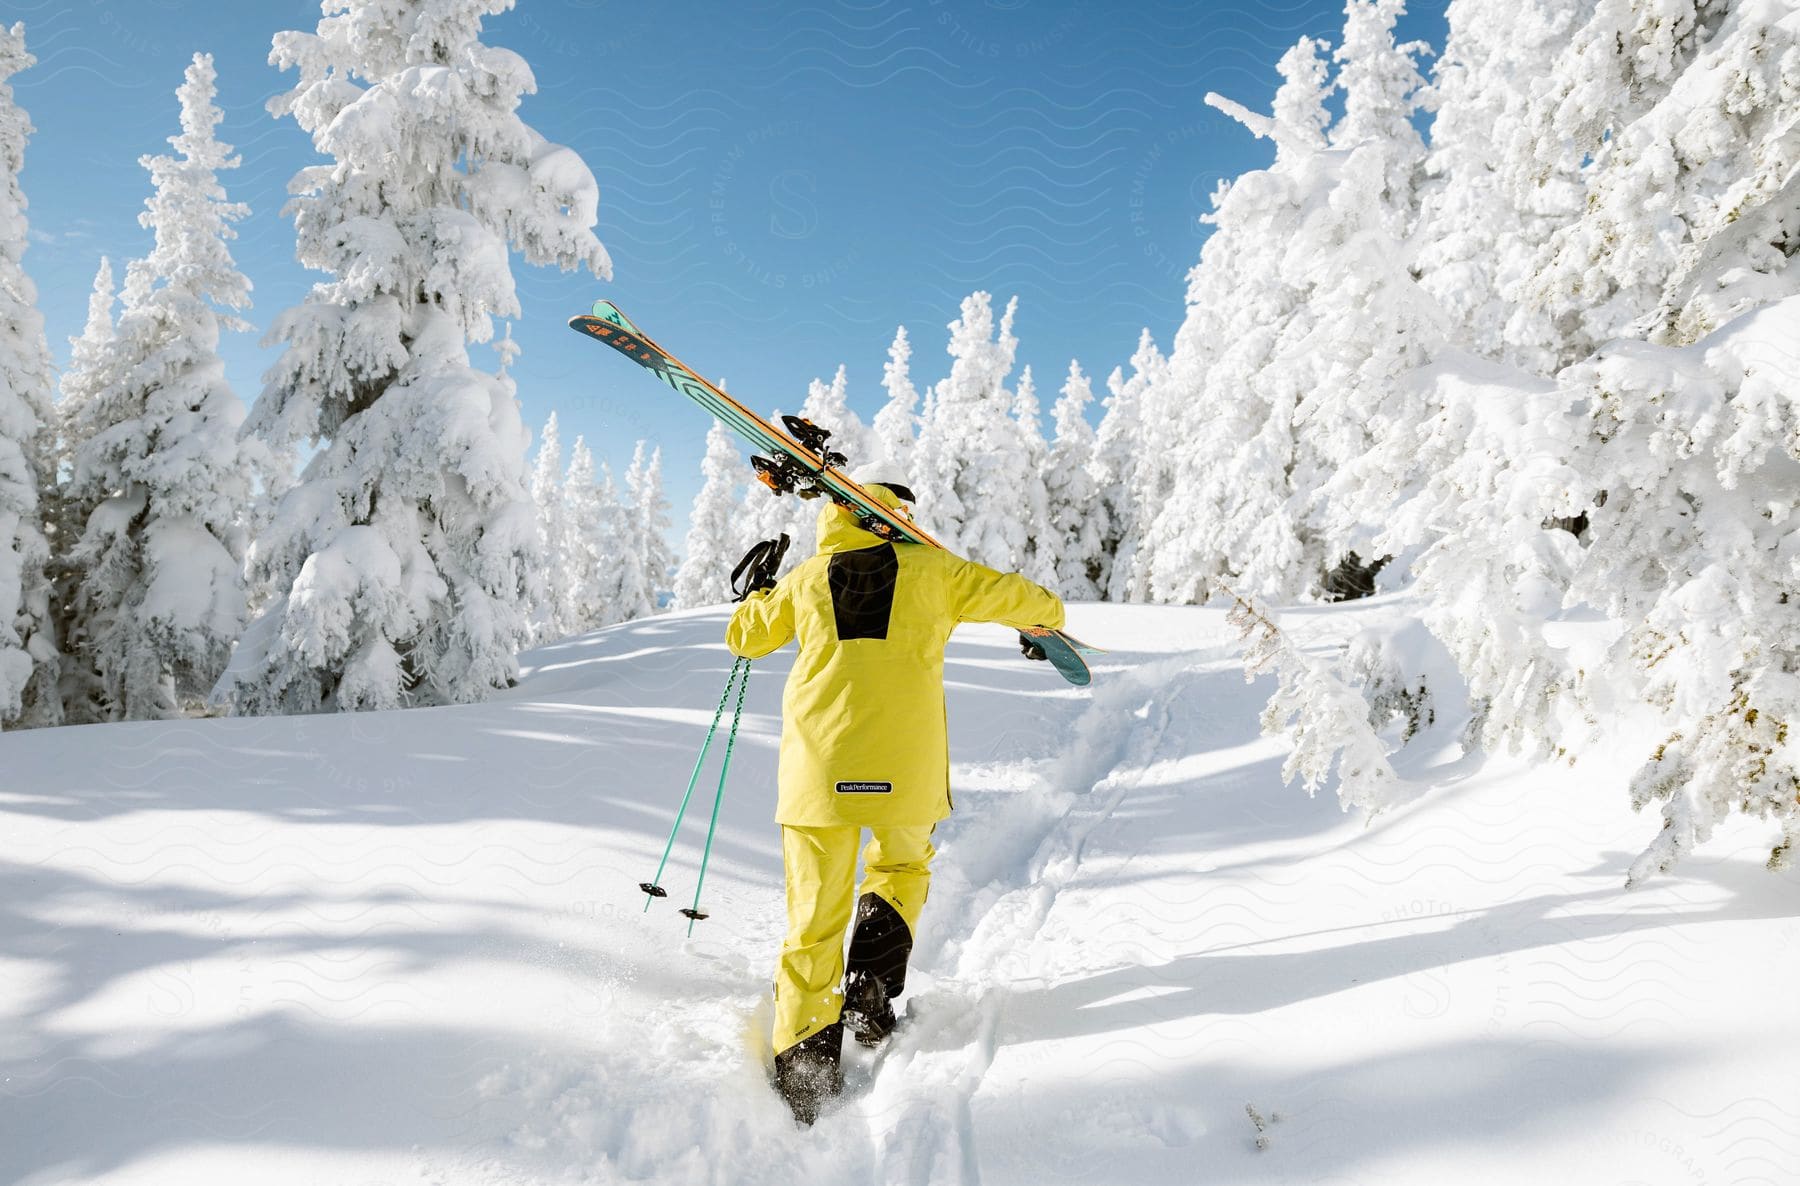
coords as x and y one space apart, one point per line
694 914
653 888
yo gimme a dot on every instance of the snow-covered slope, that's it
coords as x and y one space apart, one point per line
408 947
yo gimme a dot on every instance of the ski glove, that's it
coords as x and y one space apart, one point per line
1030 649
756 571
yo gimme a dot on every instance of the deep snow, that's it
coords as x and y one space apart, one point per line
407 947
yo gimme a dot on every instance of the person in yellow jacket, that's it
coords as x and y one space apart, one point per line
863 745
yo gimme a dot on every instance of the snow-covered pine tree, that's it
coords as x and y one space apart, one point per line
1233 511
551 618
650 513
403 553
1077 513
66 516
1487 207
596 541
965 465
1372 323
633 593
896 426
29 661
86 375
1033 509
157 463
710 551
1120 452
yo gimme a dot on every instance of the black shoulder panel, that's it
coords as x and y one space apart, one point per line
862 591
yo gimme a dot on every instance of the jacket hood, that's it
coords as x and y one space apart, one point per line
838 531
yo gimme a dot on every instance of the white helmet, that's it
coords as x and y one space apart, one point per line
883 473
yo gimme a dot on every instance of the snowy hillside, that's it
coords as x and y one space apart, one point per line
407 947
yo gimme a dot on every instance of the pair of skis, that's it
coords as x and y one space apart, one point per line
800 460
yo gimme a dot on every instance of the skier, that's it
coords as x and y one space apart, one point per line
863 745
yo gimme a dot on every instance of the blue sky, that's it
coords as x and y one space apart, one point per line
781 183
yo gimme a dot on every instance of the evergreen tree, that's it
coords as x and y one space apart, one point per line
29 660
897 424
711 550
1228 506
1076 511
66 516
634 556
596 534
1030 458
552 618
650 520
404 554
1371 322
1119 465
156 464
1486 207
963 473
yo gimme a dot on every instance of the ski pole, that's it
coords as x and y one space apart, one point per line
694 914
653 888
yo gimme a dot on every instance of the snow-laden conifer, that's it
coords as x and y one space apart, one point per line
1486 205
710 549
597 536
966 483
1038 560
65 515
551 617
29 660
1227 397
157 465
650 512
896 426
403 553
1077 513
1126 439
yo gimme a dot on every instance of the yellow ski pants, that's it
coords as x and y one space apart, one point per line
821 875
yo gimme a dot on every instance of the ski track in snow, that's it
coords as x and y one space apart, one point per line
950 1037
407 948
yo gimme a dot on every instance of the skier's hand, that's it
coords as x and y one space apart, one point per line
1029 648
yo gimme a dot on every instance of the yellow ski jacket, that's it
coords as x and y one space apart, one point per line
863 732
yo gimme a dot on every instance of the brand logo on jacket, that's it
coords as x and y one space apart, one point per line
865 788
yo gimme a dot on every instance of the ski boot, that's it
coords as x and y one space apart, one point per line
876 971
810 1072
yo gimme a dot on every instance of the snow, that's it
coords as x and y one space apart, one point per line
407 946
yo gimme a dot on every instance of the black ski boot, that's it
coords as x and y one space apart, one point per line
876 971
809 1072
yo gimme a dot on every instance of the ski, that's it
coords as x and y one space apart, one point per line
1061 653
607 324
801 460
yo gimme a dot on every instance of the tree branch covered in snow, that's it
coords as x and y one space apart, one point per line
1324 719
